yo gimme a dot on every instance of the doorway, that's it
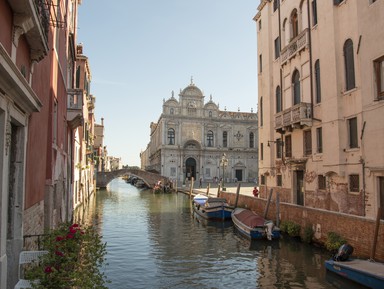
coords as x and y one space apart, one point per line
190 168
299 187
239 175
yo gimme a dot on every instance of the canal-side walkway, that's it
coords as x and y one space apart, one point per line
245 188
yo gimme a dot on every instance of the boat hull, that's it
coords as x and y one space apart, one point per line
364 272
212 209
253 232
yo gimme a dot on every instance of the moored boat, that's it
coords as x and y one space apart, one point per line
364 272
212 208
254 226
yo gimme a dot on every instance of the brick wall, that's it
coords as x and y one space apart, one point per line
358 231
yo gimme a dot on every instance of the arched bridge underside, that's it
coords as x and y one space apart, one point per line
103 178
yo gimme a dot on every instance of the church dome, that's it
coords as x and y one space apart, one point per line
191 91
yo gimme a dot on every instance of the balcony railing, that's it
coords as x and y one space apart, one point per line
34 15
297 115
75 99
296 45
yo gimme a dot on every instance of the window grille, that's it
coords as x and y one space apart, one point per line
354 184
321 182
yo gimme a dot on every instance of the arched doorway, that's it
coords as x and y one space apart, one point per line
190 168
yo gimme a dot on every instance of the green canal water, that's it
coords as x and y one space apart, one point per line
154 241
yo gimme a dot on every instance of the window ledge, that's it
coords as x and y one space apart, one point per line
350 150
345 92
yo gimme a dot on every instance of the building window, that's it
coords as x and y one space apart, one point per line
261 111
275 5
288 146
278 99
294 24
225 139
262 180
296 87
277 47
314 12
173 172
317 79
171 136
171 111
210 113
349 65
379 77
307 143
261 151
279 146
210 138
259 24
251 140
354 185
260 63
352 128
319 138
279 181
321 182
78 77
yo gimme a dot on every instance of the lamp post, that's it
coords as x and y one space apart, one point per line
224 163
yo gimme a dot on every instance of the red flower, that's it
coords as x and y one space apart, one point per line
48 269
70 236
72 230
58 253
59 238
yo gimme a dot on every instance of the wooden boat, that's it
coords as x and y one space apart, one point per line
364 272
212 208
254 226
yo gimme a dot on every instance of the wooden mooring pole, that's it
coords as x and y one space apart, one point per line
373 252
208 189
268 202
191 188
237 194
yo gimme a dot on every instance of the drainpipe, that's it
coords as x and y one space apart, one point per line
310 57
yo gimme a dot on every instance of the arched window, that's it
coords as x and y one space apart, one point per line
171 111
317 79
210 138
294 24
296 87
349 65
171 136
251 140
225 139
278 99
210 113
285 33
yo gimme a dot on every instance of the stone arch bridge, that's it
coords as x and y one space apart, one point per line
103 178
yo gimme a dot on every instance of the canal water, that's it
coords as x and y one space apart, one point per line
155 241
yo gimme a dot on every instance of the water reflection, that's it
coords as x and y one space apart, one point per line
155 241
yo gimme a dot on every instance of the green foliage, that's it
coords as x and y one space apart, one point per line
294 229
308 234
284 226
334 241
75 257
291 228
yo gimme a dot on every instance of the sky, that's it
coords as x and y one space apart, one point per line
140 51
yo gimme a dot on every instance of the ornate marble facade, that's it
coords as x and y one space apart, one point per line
191 136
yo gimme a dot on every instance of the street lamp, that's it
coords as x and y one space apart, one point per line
224 163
